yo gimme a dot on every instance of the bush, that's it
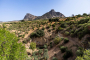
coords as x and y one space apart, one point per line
45 54
53 28
63 25
39 33
68 54
72 31
84 14
57 40
33 35
72 34
68 28
45 46
9 48
59 29
40 51
43 28
25 41
69 18
79 52
66 40
78 15
53 25
63 49
66 33
62 38
54 19
82 21
54 58
32 45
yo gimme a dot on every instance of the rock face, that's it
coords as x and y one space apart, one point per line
47 15
29 16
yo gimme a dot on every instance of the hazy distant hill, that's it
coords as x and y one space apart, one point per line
47 15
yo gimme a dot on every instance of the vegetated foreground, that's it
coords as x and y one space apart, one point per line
51 39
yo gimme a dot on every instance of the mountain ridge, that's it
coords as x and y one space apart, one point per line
50 14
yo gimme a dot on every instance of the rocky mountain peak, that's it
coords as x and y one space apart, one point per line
50 14
52 10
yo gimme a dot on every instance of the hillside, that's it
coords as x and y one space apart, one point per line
50 14
53 39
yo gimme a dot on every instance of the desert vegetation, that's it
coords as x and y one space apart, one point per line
50 39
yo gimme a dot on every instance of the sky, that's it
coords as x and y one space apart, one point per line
11 10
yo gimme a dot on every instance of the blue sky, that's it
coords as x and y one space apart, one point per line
16 9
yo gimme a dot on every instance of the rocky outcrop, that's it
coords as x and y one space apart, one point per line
29 16
50 14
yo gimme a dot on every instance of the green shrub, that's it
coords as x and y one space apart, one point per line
63 25
39 33
82 21
54 58
32 45
66 40
33 35
66 33
45 54
72 34
45 46
43 28
9 48
59 29
40 51
25 41
62 38
69 18
63 49
78 15
67 54
79 52
84 14
68 28
72 31
53 28
54 19
56 40
53 25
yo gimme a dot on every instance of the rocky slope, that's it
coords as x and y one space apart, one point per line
47 15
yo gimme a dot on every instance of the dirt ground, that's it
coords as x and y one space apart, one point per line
72 44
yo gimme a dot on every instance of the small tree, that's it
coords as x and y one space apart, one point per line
66 33
66 40
63 49
56 40
32 45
